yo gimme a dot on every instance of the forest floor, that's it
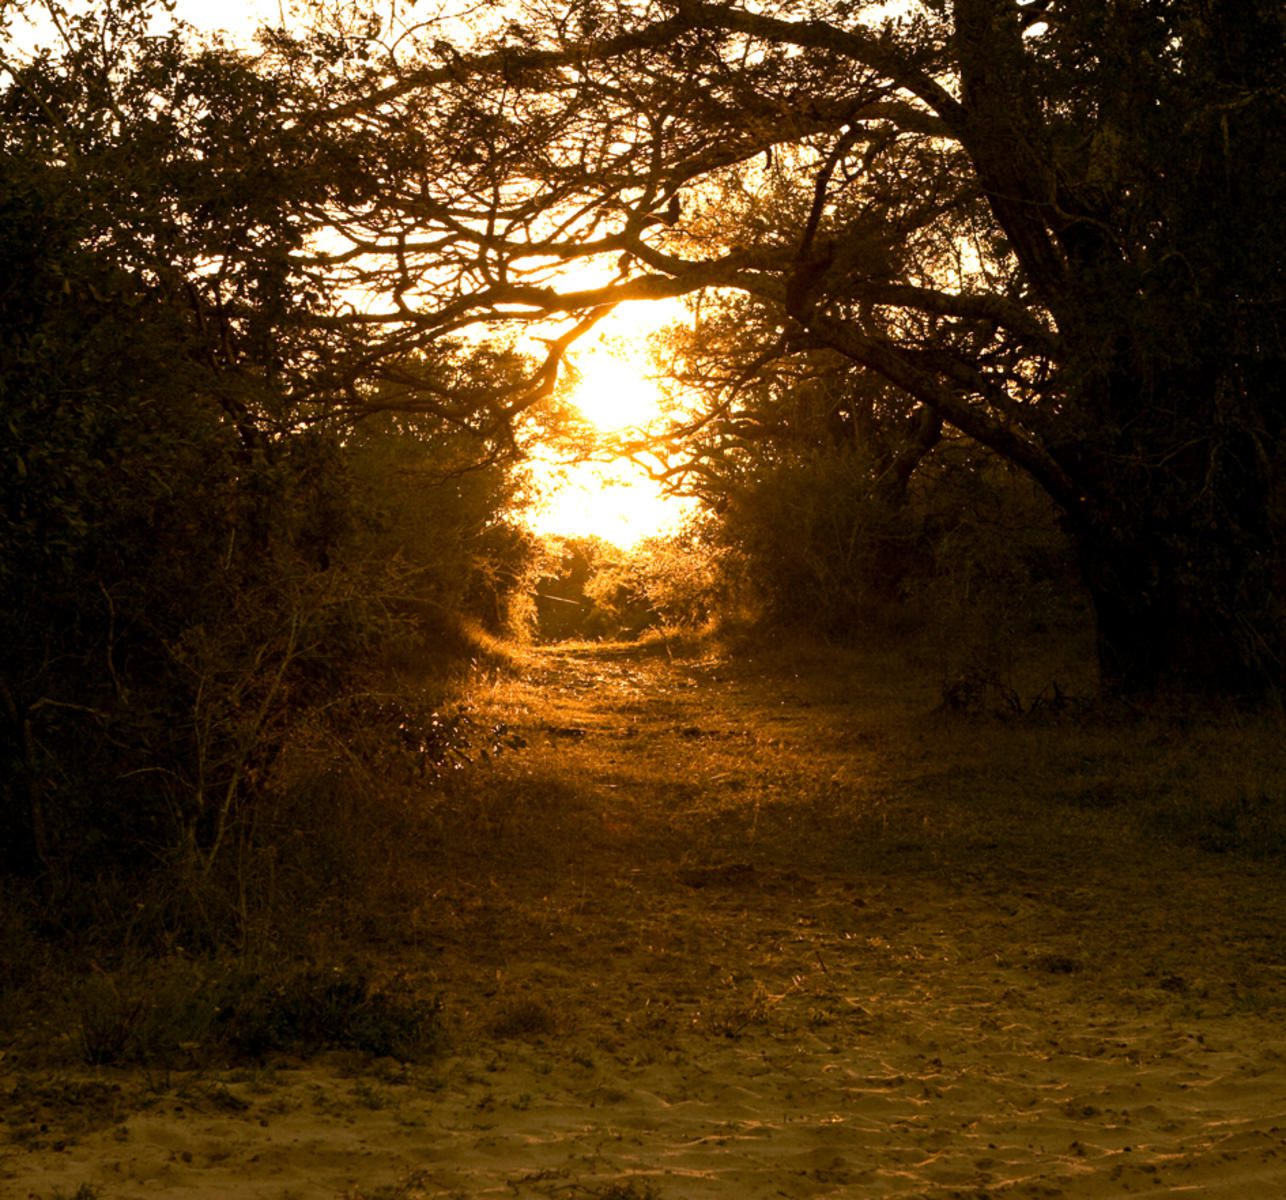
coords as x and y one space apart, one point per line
768 925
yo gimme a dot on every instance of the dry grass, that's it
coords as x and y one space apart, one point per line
670 799
744 847
666 790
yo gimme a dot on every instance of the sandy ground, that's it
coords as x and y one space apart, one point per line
717 936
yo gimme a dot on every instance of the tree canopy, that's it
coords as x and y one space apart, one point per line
199 556
1051 225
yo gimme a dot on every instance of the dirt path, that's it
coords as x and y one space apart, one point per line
739 929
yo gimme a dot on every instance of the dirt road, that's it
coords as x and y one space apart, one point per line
751 928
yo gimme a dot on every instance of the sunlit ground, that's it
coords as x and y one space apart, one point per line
616 501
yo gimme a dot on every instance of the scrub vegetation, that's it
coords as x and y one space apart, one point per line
958 700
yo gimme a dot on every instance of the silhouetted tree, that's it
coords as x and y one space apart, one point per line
194 546
1054 226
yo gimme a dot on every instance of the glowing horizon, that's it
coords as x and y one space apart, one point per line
616 501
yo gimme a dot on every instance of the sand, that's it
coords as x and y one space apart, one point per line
704 1005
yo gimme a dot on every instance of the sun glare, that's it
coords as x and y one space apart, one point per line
613 395
616 501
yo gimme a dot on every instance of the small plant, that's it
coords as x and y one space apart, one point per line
980 691
402 735
522 1018
180 1014
152 1015
44 1110
732 1017
626 1191
1245 821
368 1096
315 1009
108 1024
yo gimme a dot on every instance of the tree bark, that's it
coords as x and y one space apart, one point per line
1183 614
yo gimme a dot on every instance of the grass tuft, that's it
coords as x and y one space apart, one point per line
522 1018
181 1015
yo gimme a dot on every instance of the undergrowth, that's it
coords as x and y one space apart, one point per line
801 753
181 1014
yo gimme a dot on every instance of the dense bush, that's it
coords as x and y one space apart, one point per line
817 548
584 589
441 513
970 554
589 588
198 552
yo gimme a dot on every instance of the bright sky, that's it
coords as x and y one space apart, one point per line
237 17
615 501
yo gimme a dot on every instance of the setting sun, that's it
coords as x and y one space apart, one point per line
617 500
614 393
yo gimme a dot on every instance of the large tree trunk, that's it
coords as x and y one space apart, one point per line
1196 614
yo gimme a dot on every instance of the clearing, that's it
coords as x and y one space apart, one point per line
747 926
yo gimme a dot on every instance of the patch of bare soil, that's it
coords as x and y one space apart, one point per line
771 928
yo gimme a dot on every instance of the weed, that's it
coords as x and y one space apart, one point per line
316 1009
1219 819
398 734
731 1018
368 1096
625 1191
153 1014
414 1187
220 1099
171 1013
108 1022
522 1018
73 1106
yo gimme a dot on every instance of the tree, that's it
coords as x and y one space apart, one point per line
1053 225
806 459
192 549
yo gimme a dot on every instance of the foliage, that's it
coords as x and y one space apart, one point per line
523 1018
687 578
588 588
439 504
313 1009
178 1013
1069 256
199 551
997 579
967 554
816 545
258 463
